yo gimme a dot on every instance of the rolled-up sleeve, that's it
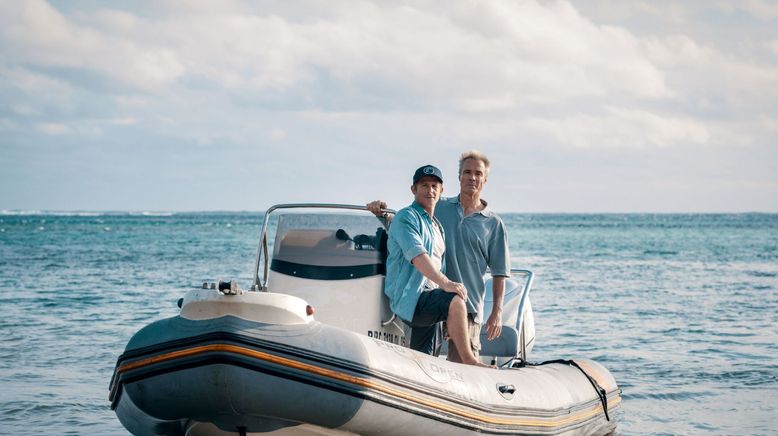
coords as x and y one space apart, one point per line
405 231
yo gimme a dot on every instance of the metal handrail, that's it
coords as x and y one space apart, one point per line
263 233
530 278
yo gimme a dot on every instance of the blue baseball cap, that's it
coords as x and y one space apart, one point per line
427 170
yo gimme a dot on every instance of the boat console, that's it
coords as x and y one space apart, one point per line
333 257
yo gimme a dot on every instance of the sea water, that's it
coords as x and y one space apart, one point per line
683 309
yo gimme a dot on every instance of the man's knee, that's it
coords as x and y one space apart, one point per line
457 305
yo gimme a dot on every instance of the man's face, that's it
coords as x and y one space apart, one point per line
473 177
427 191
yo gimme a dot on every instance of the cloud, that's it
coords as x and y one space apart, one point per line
31 94
467 55
374 86
622 128
32 82
41 36
498 57
708 76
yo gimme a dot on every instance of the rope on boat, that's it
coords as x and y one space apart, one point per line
597 388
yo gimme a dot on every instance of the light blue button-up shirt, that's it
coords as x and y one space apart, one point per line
410 235
473 243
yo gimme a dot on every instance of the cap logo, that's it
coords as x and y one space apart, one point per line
428 170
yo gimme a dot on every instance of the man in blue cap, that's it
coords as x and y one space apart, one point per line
419 293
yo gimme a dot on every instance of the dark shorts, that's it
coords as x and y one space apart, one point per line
431 309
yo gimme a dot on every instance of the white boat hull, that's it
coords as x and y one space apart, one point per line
231 375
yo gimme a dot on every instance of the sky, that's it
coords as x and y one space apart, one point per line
582 106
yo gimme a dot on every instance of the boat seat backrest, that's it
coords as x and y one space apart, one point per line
505 345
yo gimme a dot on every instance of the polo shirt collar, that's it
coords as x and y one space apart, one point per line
420 209
486 211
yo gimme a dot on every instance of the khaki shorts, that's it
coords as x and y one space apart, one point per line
474 334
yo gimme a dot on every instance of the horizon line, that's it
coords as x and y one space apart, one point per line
152 212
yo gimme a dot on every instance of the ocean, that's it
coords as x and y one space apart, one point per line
682 308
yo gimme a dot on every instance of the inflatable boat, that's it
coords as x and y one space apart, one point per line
312 348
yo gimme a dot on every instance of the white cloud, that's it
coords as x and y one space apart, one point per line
706 71
39 35
31 93
565 83
488 56
509 59
32 82
622 128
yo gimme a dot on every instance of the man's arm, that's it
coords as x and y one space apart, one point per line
499 263
424 264
494 322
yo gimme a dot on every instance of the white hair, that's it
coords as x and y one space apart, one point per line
473 154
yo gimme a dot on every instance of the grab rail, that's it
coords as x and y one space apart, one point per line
530 278
256 286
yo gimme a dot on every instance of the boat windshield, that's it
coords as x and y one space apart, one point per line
329 246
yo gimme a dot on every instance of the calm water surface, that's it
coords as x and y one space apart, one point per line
683 309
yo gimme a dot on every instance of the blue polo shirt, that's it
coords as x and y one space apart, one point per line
473 243
410 235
